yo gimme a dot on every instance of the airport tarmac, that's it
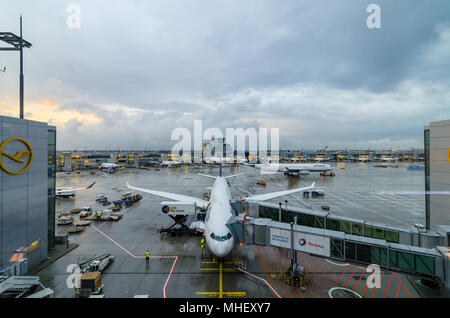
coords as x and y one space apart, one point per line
176 268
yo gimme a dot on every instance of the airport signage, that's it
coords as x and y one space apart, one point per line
314 244
280 238
178 208
308 243
23 157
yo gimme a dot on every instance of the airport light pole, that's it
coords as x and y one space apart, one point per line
18 44
279 213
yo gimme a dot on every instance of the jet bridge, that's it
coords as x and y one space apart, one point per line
429 263
17 286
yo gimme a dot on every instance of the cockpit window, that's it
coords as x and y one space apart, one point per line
221 238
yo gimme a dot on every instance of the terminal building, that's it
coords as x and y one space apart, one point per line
437 173
27 192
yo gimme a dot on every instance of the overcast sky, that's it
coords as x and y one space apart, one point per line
135 70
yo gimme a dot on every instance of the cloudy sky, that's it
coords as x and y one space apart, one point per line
135 70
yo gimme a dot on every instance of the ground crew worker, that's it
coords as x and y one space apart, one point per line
147 256
202 245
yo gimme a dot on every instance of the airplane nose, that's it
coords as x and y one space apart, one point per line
223 249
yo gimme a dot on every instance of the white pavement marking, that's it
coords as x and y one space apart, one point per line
134 256
337 264
170 275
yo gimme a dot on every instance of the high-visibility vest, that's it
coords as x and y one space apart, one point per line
147 254
202 241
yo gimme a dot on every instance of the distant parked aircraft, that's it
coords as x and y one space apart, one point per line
66 193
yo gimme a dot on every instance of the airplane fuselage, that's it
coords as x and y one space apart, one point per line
295 167
218 238
59 193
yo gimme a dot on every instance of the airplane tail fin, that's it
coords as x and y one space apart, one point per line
90 186
207 175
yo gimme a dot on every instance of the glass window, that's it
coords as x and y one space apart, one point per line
379 255
391 236
51 222
270 213
320 222
405 261
425 264
356 229
392 258
350 251
345 227
333 225
286 216
378 233
364 253
308 220
337 248
367 231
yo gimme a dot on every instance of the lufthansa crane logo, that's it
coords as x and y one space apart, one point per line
165 209
23 157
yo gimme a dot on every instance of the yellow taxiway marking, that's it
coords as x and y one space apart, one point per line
220 280
235 294
214 261
220 293
218 269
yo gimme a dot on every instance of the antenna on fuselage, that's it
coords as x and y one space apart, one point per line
220 171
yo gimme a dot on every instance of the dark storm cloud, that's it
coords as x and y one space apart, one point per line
312 68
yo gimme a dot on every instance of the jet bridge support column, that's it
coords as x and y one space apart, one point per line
293 252
279 212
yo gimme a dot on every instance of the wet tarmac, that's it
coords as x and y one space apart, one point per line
176 268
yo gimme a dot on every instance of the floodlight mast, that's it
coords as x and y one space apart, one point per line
18 43
21 69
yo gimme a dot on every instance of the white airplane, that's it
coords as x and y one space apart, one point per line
219 239
67 193
389 159
218 160
172 163
294 169
109 167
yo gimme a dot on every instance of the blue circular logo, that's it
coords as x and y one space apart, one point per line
165 209
302 242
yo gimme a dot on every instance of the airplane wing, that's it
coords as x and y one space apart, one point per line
207 175
197 225
294 170
77 189
272 195
173 196
234 175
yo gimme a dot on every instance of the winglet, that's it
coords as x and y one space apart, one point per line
90 186
207 175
